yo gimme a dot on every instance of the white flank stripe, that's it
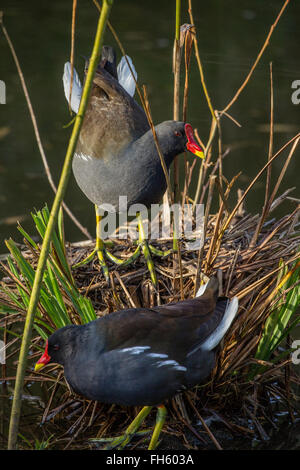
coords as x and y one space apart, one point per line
174 364
135 349
157 355
83 156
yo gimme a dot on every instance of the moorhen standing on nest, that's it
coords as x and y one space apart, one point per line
116 153
143 356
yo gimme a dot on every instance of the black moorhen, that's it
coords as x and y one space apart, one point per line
143 356
116 153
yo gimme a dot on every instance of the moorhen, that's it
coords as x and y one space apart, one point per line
143 356
116 153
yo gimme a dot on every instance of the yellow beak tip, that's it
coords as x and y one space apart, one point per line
38 367
200 154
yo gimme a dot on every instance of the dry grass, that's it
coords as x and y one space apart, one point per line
247 252
247 271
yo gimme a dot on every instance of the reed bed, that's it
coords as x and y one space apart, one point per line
243 378
255 256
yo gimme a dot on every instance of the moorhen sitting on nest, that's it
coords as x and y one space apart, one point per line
116 154
143 356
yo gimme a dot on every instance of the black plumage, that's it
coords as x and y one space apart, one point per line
142 356
116 152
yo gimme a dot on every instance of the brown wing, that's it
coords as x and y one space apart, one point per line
113 119
174 328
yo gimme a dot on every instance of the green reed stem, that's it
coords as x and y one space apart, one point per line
178 10
176 98
34 298
176 101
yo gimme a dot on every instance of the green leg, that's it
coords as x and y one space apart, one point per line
156 251
121 441
146 251
136 423
160 253
160 420
121 262
85 260
102 252
99 250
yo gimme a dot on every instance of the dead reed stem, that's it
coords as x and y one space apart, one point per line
266 43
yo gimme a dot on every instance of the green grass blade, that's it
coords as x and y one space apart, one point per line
278 325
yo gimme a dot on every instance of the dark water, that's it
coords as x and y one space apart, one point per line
230 36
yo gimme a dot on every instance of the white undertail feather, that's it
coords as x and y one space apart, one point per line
231 310
125 79
201 290
213 340
76 88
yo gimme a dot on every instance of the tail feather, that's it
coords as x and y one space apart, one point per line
214 339
211 284
76 88
109 61
127 77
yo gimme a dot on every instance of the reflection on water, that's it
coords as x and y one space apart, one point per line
230 35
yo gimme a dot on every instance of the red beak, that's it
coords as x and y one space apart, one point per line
43 360
192 146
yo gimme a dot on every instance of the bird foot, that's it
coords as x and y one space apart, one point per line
86 260
100 253
120 442
146 250
103 253
160 253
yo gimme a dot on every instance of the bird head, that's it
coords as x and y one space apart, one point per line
176 137
58 347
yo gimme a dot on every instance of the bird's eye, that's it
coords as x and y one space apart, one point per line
178 134
56 347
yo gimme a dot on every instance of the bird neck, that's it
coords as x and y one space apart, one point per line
146 147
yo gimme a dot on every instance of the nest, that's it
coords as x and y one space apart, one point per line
245 269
